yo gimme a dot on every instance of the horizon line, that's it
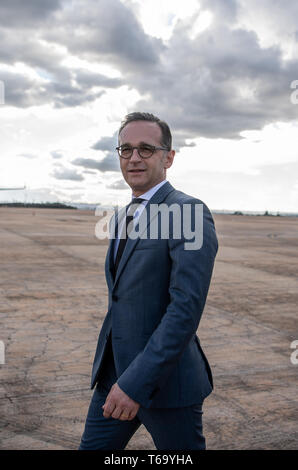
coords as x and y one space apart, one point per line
274 212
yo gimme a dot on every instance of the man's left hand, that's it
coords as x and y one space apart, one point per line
118 405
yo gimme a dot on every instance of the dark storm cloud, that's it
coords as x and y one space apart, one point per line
26 13
54 82
219 84
88 79
119 184
109 163
106 29
67 95
47 61
17 45
20 91
62 173
179 141
215 84
24 91
108 143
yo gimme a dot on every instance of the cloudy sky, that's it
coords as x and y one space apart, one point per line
218 71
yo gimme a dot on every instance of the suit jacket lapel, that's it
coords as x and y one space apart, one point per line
115 221
157 198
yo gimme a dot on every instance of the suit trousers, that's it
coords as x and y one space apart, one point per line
170 428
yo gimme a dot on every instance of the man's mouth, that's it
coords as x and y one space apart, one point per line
136 171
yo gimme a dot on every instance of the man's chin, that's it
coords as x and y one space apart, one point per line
137 175
136 181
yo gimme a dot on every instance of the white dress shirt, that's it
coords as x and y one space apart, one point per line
147 195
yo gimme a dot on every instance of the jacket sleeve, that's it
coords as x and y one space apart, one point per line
190 278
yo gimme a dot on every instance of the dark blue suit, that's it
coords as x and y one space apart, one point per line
156 301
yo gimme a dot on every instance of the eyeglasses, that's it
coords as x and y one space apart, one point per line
144 151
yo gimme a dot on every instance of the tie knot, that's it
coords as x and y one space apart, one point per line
136 201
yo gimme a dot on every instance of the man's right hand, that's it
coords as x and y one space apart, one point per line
120 406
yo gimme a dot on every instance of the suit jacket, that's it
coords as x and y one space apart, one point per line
156 301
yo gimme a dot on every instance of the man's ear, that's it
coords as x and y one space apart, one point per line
169 159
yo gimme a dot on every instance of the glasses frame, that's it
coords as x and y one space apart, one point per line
132 149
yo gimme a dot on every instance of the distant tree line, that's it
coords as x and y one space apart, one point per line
48 205
265 213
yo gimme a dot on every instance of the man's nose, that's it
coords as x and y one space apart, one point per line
135 155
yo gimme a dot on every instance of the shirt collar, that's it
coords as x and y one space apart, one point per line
148 194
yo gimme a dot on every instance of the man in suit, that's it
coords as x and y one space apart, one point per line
149 367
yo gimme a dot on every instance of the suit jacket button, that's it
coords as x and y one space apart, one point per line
114 297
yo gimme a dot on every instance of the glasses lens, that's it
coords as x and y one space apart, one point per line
146 151
125 152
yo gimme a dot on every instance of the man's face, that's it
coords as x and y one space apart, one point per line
142 174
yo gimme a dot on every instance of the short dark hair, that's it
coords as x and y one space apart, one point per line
166 136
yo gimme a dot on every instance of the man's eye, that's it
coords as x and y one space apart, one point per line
146 148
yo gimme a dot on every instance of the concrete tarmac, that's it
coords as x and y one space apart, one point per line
53 299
